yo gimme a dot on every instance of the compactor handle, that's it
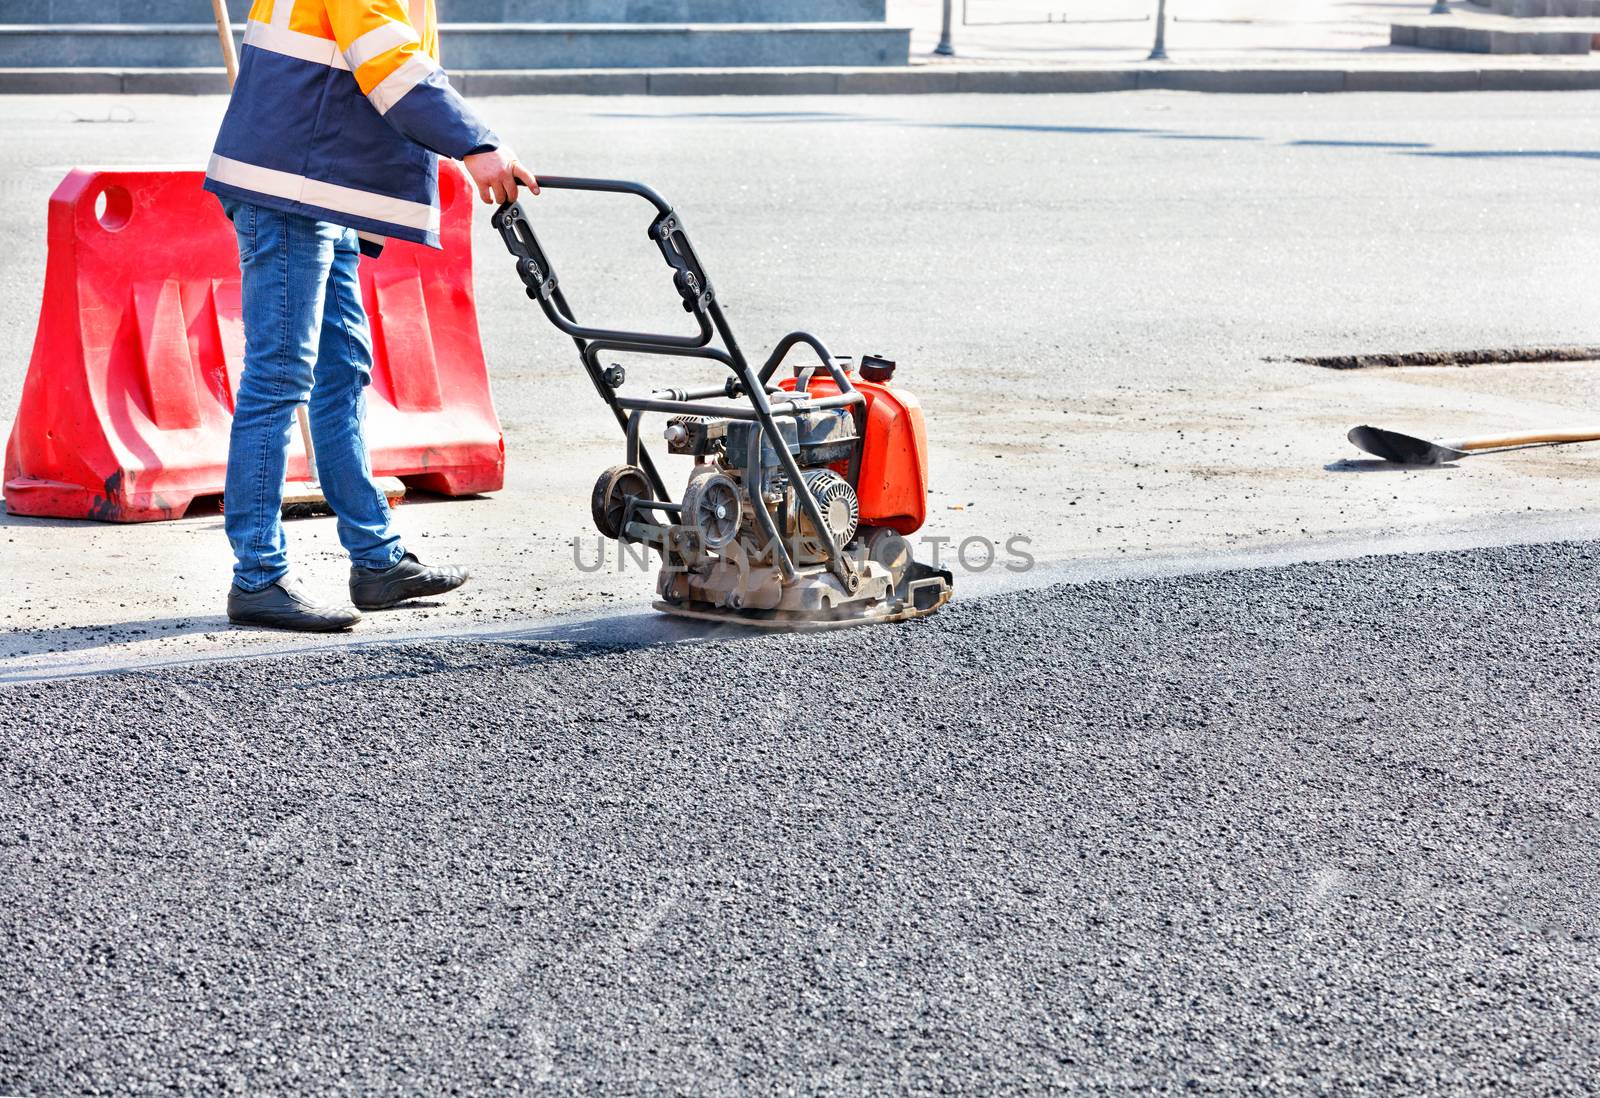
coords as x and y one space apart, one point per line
534 268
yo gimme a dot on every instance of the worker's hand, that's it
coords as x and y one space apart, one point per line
496 173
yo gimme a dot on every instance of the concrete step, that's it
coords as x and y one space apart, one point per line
1424 73
1496 35
114 11
493 45
478 11
662 11
1541 9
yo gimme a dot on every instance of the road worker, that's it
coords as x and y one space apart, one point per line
329 147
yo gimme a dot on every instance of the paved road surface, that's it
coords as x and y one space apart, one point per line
1082 289
1325 827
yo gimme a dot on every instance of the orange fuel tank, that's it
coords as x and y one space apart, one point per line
893 489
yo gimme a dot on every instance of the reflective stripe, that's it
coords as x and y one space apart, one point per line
307 47
418 67
329 196
372 238
281 10
379 40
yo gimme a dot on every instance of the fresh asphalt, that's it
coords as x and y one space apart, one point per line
1328 827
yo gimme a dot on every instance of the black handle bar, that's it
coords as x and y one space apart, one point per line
533 266
610 186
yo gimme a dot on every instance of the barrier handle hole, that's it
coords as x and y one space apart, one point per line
113 206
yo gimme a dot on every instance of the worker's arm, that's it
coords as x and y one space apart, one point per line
415 97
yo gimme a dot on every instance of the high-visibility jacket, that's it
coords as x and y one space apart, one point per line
338 113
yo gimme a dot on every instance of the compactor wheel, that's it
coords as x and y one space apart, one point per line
609 504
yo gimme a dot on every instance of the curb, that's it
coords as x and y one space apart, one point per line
913 80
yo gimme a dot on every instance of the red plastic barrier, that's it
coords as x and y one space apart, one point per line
129 394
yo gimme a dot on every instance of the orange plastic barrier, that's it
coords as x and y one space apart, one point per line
129 394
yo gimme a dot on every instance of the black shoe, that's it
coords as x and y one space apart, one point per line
284 605
373 589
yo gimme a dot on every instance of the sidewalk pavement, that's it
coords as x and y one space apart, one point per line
1101 32
1044 46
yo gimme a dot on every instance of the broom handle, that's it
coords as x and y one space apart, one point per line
230 58
1531 438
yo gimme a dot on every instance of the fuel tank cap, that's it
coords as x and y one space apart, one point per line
877 369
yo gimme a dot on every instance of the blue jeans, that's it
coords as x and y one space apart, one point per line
305 336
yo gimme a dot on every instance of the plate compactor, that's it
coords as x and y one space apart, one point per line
803 492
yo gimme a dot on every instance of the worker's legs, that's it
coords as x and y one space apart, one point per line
338 409
284 261
306 338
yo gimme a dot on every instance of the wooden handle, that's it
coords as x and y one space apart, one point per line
1531 438
230 59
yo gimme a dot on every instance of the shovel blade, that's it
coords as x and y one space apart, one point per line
1401 449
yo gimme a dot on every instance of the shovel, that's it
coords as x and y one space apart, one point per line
1407 450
